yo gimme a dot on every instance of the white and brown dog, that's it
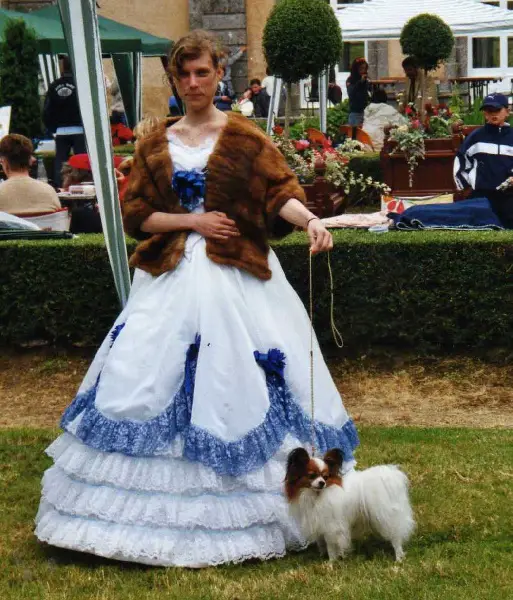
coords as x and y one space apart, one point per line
333 511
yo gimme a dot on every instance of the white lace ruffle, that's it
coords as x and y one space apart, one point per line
161 474
210 512
160 546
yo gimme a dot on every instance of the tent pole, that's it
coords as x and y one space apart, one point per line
80 27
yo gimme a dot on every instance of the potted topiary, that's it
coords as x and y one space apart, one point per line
430 40
417 158
301 38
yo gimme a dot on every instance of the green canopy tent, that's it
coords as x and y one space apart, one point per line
51 38
127 63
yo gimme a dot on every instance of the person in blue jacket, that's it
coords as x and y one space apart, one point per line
485 159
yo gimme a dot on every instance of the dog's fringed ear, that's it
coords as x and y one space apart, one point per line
334 458
296 463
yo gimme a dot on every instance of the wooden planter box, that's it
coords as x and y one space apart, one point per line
434 174
322 199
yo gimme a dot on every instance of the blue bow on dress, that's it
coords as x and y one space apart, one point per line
189 187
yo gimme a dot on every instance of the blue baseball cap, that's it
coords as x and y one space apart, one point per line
495 101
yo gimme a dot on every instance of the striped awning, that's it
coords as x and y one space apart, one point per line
384 19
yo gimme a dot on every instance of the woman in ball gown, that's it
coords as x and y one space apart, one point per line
174 449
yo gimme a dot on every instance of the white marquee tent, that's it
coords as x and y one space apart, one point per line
384 19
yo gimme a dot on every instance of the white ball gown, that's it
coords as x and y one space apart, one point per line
174 449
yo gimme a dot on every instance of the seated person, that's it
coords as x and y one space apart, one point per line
485 159
121 134
260 98
20 194
174 107
85 216
245 104
378 115
412 95
225 95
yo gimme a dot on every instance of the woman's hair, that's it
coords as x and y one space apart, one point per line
146 126
17 150
72 176
355 69
379 96
191 47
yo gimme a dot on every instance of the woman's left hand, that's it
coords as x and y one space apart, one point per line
320 237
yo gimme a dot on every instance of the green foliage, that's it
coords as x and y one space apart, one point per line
19 71
368 165
424 291
429 39
301 38
336 117
474 115
461 494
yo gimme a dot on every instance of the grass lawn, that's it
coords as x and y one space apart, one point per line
462 491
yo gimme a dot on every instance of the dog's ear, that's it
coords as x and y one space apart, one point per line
334 458
296 463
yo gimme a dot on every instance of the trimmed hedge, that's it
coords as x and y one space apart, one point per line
422 291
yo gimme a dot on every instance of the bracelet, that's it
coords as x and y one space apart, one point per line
311 219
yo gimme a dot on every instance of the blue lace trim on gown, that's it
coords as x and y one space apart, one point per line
252 451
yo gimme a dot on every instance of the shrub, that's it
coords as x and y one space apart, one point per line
429 39
19 72
368 164
336 117
301 38
422 291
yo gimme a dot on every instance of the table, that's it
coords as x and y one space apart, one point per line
477 87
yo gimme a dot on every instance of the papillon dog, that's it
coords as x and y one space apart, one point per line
333 510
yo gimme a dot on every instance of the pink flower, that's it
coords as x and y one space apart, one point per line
301 145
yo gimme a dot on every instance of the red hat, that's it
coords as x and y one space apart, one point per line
80 161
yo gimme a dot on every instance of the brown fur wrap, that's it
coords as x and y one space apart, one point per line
247 178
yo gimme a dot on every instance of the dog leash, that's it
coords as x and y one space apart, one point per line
337 336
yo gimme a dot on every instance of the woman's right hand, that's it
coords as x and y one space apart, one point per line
215 225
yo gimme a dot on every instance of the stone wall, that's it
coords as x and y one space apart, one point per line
226 19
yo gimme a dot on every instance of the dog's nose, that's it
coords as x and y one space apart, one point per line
322 484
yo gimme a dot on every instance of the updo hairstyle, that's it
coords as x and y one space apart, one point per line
191 47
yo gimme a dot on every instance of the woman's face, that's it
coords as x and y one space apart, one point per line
197 83
363 68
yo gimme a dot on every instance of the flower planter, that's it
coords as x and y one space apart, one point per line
433 175
323 200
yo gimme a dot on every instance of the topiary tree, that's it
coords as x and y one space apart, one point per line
430 40
19 72
301 38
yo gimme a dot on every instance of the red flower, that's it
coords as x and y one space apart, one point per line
301 145
278 129
408 110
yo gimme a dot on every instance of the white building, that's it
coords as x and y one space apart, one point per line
483 31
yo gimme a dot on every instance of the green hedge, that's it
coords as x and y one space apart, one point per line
423 291
368 164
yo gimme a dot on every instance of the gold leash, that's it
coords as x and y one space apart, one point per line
337 336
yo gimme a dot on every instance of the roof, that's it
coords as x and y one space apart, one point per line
115 36
384 19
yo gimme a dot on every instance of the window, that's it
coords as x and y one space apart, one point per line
350 51
486 53
510 52
510 5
